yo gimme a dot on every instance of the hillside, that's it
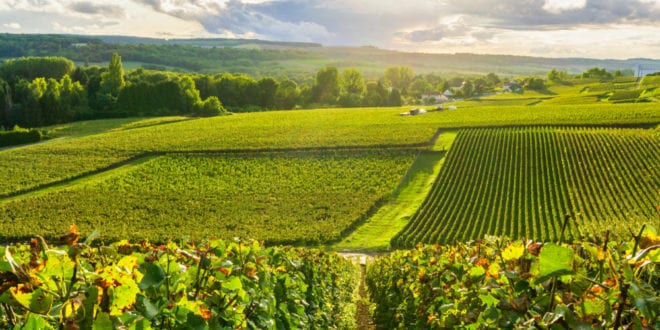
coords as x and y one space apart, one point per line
280 59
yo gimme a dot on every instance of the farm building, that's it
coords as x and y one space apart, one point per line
434 98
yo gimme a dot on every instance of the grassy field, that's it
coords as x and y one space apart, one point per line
520 182
40 181
294 197
35 166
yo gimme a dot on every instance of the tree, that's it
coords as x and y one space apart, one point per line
534 83
376 95
492 79
29 68
598 73
468 88
209 107
557 75
326 86
5 105
394 99
267 92
112 81
353 88
399 77
287 95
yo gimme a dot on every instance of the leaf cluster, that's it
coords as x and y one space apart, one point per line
211 285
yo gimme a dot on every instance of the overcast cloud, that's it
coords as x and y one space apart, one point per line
481 26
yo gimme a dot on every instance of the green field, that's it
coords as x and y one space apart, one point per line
31 167
520 182
294 197
82 173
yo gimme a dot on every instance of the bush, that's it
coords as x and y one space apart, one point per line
19 136
625 95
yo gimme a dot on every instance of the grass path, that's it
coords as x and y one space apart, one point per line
375 234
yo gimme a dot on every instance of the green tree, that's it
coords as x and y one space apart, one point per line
534 83
492 79
209 107
112 81
394 99
353 88
29 68
288 95
326 86
399 77
267 92
5 105
468 88
597 73
189 94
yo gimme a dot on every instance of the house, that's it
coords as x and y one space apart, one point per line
511 86
434 98
448 93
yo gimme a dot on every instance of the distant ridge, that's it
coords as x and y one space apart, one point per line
297 60
203 42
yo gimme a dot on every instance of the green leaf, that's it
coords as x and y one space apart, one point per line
554 260
141 325
36 322
154 276
196 322
102 322
233 284
477 272
146 307
37 301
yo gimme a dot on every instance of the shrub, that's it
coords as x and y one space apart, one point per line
19 136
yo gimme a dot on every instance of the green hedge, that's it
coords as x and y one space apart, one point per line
19 136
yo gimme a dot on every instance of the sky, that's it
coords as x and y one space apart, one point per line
549 28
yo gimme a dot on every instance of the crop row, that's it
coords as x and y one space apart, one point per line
521 182
208 285
35 166
301 197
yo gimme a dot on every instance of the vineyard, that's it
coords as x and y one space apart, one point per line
296 197
207 285
521 182
499 284
29 168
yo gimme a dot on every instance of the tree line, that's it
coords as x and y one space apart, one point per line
42 91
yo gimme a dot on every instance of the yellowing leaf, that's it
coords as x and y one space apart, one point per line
494 270
514 251
128 262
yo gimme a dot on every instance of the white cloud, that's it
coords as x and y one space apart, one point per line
12 25
557 6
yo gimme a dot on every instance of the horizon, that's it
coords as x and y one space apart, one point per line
615 30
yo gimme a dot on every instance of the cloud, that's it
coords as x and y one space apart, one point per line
97 9
556 14
557 6
12 25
